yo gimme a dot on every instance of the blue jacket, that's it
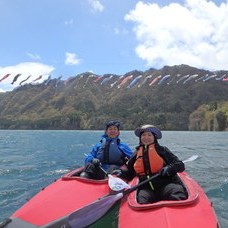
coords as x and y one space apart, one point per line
98 149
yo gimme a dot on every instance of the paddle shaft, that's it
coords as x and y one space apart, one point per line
105 172
141 183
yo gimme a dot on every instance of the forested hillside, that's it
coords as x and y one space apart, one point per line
210 117
171 98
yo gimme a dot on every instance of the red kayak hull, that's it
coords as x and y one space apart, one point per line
60 199
194 212
52 206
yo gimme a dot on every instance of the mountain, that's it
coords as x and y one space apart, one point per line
166 97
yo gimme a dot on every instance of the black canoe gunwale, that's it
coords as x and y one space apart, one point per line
75 175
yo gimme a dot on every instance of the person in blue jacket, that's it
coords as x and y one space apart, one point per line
108 154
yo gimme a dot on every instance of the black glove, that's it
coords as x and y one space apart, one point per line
96 162
117 172
165 171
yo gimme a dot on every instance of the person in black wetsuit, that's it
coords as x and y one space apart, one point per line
150 158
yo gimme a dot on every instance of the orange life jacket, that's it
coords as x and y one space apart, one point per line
155 161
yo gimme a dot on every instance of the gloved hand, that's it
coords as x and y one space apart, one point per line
117 172
165 171
96 162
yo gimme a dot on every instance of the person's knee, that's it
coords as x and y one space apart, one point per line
90 168
145 197
174 192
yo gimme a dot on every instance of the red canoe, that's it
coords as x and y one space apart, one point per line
52 207
194 212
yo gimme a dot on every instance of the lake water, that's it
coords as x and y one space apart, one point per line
30 160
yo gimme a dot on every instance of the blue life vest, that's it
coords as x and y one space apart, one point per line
109 152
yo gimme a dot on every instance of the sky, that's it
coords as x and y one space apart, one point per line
70 37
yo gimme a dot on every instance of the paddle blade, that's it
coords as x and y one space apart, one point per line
192 158
117 184
92 212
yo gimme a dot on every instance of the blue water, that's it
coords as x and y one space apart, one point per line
30 160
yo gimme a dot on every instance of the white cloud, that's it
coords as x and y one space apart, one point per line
119 31
25 69
33 56
194 34
96 6
69 22
72 59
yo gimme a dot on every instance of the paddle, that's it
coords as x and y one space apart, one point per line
115 183
192 158
92 212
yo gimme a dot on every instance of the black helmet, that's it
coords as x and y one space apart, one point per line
112 123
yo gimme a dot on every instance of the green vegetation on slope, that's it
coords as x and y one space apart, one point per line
85 104
210 117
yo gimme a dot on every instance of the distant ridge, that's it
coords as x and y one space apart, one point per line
164 97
